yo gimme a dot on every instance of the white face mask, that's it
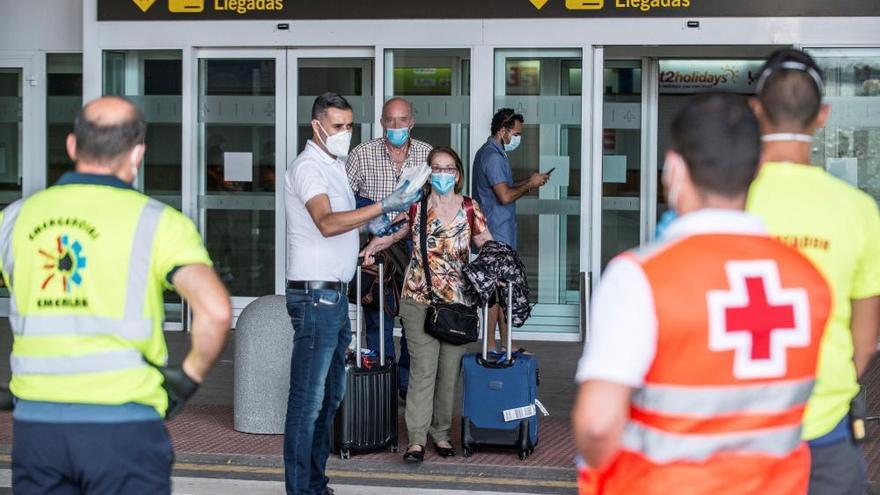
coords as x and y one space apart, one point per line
337 144
787 136
134 165
674 181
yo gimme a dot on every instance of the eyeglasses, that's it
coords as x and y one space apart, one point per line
444 170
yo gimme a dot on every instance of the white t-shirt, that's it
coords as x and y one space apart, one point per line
310 255
623 323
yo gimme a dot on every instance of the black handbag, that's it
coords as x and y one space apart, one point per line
453 323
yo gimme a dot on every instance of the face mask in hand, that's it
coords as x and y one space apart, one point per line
397 137
442 183
337 144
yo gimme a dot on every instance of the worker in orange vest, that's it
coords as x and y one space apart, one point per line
703 346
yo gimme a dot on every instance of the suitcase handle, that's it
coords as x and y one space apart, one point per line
509 327
380 260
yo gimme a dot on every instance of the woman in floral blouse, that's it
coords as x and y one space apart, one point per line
435 365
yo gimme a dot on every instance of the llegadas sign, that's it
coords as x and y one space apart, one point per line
163 10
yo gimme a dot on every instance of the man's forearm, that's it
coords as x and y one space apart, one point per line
599 416
212 314
336 223
865 325
513 193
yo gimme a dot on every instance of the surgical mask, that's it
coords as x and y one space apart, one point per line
443 182
397 137
665 221
513 144
337 144
674 186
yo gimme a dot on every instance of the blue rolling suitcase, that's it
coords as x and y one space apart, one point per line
500 395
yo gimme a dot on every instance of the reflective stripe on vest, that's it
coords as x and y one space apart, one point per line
663 447
132 326
707 401
122 359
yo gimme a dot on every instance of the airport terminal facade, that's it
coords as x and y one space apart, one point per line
227 86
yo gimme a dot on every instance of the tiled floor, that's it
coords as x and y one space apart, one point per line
205 427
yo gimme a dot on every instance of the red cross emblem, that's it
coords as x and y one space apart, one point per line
757 319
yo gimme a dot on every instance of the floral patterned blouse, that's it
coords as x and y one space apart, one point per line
448 252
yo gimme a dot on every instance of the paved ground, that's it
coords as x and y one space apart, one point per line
206 444
208 447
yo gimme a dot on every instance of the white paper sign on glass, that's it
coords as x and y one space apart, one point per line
614 169
238 167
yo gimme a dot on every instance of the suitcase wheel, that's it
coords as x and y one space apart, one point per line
467 451
524 454
345 454
394 448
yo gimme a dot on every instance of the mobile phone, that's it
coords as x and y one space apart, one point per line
550 171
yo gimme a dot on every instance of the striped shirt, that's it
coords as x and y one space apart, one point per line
372 173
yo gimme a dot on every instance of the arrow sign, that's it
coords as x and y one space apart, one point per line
146 4
539 3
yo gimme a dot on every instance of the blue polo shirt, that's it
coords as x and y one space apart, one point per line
491 167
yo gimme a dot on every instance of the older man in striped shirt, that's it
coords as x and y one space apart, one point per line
374 168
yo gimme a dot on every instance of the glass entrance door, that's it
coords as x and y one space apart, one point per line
544 85
241 153
16 138
12 87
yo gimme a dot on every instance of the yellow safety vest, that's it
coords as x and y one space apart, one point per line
86 265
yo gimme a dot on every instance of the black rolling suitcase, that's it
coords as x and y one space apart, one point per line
367 417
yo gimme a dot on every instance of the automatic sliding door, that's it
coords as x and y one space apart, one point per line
238 129
545 86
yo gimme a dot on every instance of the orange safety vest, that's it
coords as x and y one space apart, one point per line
740 319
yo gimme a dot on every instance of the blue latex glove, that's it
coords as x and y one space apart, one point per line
400 199
382 227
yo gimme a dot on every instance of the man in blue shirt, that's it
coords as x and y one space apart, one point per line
497 192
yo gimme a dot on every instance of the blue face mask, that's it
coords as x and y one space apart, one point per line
397 137
443 183
513 144
665 221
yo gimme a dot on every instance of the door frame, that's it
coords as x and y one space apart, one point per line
32 149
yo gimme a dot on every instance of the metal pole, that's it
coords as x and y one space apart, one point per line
358 320
509 320
381 262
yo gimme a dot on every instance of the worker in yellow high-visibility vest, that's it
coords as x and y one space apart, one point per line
86 262
837 227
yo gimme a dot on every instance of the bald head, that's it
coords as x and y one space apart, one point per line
397 113
106 131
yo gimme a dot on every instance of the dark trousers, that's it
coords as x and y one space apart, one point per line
371 319
322 333
91 458
837 469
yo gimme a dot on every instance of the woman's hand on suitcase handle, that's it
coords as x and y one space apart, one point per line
377 245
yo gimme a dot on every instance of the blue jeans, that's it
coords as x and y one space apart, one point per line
371 319
322 333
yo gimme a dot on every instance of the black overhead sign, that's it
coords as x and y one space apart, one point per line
179 10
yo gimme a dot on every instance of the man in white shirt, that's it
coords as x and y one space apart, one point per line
322 250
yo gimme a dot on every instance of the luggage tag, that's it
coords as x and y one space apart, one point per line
541 407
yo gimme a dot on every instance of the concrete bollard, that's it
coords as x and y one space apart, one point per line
263 345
